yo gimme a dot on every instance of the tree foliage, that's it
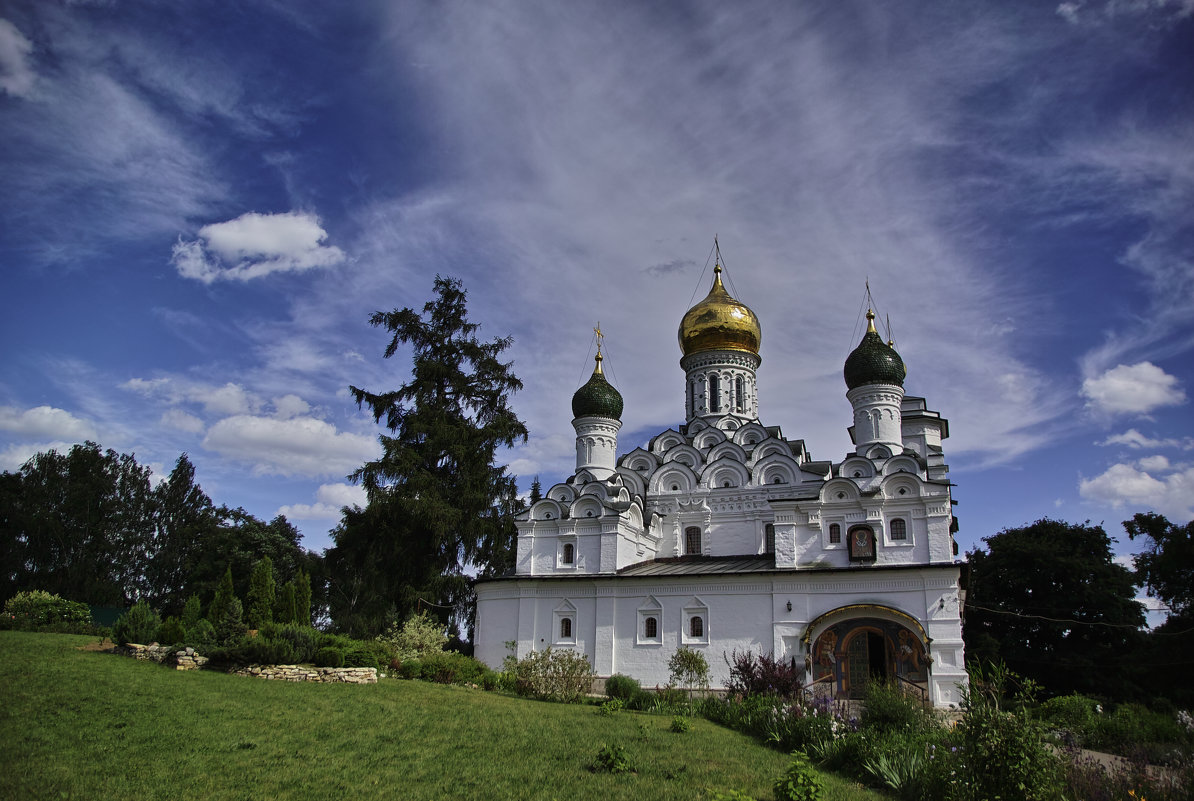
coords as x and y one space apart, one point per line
437 499
1166 569
261 594
87 525
79 525
1049 601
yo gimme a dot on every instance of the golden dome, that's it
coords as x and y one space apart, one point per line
719 323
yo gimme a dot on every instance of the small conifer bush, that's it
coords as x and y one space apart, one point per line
139 624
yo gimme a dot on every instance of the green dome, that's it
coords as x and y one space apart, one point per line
597 398
873 361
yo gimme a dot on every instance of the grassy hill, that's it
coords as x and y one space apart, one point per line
79 724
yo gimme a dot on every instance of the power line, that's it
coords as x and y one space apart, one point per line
1071 621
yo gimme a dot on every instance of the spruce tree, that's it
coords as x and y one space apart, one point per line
284 605
437 500
302 599
225 612
261 594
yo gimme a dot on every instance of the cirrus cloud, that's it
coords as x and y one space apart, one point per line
16 75
254 245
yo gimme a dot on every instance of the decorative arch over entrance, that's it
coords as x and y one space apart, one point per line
850 646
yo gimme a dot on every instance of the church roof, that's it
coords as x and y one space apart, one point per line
873 361
597 398
719 322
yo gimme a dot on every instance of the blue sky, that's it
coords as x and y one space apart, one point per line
201 204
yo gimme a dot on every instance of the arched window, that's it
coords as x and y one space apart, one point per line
568 553
835 533
769 538
739 386
650 628
696 626
899 529
692 540
565 628
714 393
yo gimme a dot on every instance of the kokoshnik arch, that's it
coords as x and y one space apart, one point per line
724 535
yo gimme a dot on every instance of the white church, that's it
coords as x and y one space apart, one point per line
723 535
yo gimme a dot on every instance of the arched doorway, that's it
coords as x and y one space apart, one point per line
850 653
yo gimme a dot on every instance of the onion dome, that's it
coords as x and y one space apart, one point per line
873 361
719 323
597 398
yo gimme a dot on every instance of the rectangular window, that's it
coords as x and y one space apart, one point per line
835 533
769 538
899 529
692 541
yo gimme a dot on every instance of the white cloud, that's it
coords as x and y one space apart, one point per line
289 406
179 420
12 457
16 74
330 499
254 245
228 399
1132 389
1124 485
300 446
46 421
1153 464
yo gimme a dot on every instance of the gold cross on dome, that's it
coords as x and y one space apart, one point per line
599 334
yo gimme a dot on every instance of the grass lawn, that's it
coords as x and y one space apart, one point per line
82 725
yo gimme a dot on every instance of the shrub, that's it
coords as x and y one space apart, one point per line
613 758
731 795
192 613
138 625
329 657
622 687
800 782
890 708
763 675
1006 756
611 707
554 675
680 724
171 632
1072 715
688 668
39 610
303 640
419 636
201 636
1132 726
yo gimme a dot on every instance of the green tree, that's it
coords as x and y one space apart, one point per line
79 525
284 611
226 611
1166 569
437 500
1049 601
261 594
185 524
302 599
536 491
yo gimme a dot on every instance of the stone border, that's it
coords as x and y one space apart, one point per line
187 659
326 675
